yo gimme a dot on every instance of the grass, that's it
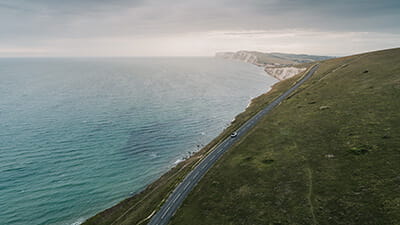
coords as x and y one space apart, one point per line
330 154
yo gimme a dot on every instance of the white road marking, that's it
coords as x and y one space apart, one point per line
165 212
186 186
176 198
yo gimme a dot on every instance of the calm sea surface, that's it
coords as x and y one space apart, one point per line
79 135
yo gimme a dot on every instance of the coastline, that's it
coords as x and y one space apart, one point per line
250 102
277 67
182 166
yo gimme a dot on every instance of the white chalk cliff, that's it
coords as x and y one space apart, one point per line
282 73
240 56
277 70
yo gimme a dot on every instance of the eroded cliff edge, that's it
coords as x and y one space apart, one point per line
279 65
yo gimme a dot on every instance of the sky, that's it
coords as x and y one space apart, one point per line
107 28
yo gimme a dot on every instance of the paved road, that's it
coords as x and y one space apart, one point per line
176 198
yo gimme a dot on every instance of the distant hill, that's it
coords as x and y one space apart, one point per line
279 65
299 58
262 59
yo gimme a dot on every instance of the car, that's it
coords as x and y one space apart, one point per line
234 134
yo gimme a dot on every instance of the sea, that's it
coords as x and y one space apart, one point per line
78 135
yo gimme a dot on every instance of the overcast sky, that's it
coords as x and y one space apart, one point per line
195 27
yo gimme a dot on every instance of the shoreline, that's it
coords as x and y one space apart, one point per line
250 102
189 161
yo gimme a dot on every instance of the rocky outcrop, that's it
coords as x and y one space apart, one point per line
279 65
282 73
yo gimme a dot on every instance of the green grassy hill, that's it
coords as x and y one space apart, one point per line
329 154
300 58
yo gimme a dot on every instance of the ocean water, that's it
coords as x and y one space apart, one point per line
79 135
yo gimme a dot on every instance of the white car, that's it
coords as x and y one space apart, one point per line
234 134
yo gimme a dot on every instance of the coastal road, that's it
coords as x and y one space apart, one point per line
176 198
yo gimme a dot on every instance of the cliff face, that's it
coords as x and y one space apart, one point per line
282 73
279 67
241 56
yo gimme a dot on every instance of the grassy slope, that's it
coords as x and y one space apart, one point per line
135 209
300 58
267 58
330 154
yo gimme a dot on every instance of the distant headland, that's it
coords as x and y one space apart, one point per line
279 65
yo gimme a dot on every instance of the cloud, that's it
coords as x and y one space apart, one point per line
26 23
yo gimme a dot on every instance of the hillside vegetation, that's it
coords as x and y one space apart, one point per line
299 58
330 154
286 58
